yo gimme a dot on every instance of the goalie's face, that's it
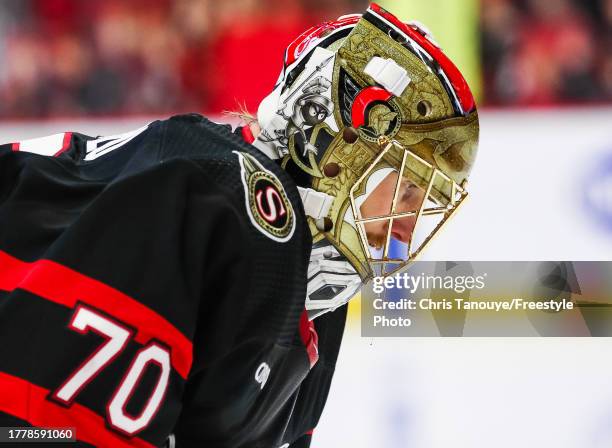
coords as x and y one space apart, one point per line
399 203
409 198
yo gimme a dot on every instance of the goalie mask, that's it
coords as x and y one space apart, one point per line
380 130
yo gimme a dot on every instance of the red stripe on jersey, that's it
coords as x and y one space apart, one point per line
15 147
310 338
62 285
65 144
26 401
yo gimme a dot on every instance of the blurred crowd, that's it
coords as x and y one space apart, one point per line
107 57
101 57
543 52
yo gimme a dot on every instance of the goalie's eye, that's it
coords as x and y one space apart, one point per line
312 111
321 116
407 191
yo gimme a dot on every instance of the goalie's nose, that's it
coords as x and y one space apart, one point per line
403 228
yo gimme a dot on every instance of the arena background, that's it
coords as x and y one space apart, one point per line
541 188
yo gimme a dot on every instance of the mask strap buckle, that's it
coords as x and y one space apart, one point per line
389 74
316 203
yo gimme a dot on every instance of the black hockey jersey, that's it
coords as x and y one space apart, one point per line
152 288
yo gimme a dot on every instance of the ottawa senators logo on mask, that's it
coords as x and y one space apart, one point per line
266 201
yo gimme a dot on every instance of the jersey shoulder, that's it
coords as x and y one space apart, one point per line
269 195
175 146
50 145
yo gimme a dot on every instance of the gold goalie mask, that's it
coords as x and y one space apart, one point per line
379 129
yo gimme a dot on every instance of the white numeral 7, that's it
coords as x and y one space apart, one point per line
83 321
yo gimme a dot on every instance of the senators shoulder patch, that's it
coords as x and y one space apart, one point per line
267 203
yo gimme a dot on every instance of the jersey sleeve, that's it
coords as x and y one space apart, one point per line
249 247
314 390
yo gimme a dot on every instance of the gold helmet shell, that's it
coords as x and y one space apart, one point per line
403 120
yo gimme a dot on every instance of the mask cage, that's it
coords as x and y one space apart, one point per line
419 219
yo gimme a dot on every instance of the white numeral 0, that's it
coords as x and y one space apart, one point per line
116 409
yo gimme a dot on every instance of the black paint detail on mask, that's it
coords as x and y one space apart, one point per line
295 72
326 292
324 139
349 88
